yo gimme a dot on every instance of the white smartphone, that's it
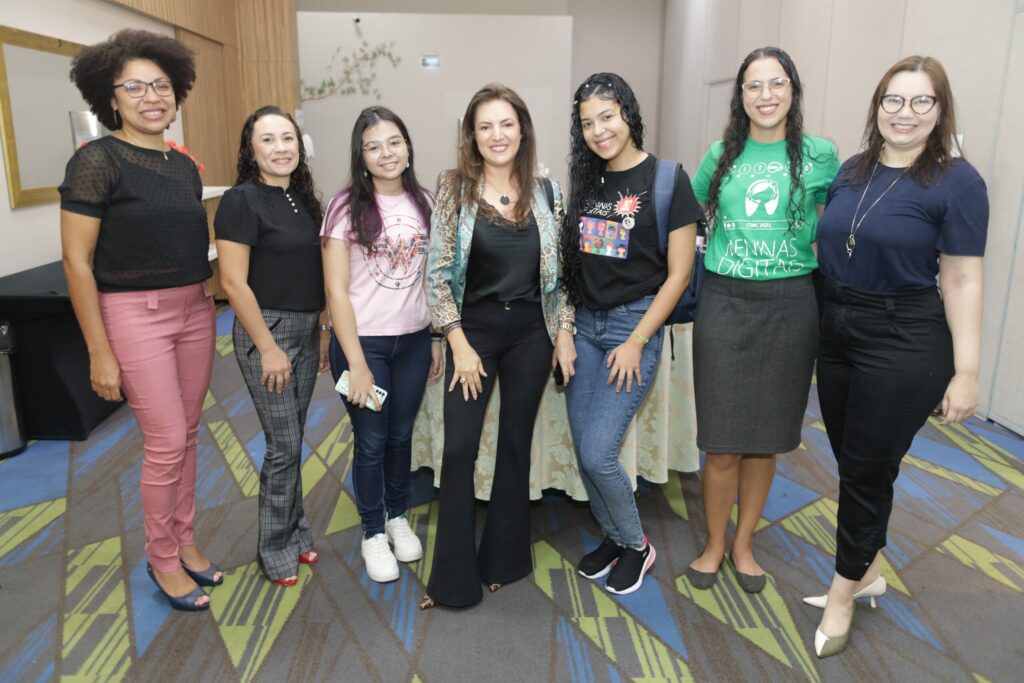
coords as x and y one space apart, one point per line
379 394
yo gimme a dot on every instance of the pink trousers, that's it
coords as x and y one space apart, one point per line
164 340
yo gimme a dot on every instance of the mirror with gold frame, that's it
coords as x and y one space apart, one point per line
40 109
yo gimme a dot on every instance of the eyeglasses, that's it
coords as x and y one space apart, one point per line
137 89
775 85
919 104
394 145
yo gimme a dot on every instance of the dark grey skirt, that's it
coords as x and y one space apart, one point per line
754 345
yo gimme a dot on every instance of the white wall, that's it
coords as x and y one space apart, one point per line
529 54
842 48
622 36
30 236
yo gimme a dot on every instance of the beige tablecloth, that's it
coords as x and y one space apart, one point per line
662 437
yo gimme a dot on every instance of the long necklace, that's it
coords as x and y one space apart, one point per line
851 241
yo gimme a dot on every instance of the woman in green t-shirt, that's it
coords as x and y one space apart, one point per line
756 329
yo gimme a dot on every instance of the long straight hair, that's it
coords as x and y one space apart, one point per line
301 179
359 199
471 163
937 154
585 167
738 128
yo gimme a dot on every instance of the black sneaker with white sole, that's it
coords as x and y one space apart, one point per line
628 573
599 562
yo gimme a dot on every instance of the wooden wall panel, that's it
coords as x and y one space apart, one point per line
213 19
268 47
205 115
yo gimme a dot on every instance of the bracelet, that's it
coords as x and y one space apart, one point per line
324 327
436 340
451 326
642 338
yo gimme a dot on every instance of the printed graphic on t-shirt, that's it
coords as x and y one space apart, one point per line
605 226
399 253
765 211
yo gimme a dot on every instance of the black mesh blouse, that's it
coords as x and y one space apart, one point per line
153 231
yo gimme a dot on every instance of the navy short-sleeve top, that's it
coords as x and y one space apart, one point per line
899 240
285 267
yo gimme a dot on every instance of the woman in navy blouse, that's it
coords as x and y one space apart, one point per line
906 218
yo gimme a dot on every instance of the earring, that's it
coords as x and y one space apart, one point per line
365 173
407 164
117 117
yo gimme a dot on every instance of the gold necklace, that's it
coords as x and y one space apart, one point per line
851 241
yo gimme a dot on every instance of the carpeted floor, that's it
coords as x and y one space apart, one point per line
76 603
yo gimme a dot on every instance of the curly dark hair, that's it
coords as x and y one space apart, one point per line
96 67
736 130
301 178
585 168
359 199
937 155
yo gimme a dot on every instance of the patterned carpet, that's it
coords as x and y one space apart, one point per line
76 603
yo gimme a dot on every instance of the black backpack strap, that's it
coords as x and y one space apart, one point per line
664 187
549 191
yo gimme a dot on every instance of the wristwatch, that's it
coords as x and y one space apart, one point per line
568 326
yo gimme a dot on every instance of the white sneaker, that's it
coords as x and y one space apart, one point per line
407 545
380 561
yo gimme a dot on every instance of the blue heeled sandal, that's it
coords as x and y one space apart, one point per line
185 603
205 578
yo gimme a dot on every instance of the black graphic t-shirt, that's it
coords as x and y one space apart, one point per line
621 260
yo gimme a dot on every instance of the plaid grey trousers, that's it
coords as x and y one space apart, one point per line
284 532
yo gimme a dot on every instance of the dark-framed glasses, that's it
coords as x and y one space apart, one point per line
776 86
919 104
394 145
137 89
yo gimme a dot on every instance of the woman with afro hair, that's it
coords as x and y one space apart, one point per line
268 246
134 239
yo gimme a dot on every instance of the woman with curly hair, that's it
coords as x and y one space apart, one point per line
906 218
756 328
623 291
494 289
267 229
375 252
135 241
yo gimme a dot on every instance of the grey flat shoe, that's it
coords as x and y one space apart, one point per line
749 582
702 580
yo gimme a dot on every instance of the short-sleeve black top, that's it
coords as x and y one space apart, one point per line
285 267
622 260
153 231
900 238
504 261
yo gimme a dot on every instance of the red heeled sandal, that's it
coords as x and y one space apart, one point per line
309 557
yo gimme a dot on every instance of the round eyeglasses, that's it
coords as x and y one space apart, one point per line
776 86
919 104
394 146
137 89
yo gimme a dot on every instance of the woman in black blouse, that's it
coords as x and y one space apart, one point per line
135 240
268 247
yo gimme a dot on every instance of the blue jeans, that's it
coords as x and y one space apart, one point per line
599 417
383 441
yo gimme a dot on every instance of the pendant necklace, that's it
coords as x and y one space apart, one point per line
851 241
504 198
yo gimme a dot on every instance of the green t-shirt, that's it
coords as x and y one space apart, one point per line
751 238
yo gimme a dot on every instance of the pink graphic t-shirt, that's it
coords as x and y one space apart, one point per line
386 284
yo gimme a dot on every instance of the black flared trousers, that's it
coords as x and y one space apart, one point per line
513 344
884 362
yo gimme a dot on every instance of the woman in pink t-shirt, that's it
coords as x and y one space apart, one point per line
375 249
